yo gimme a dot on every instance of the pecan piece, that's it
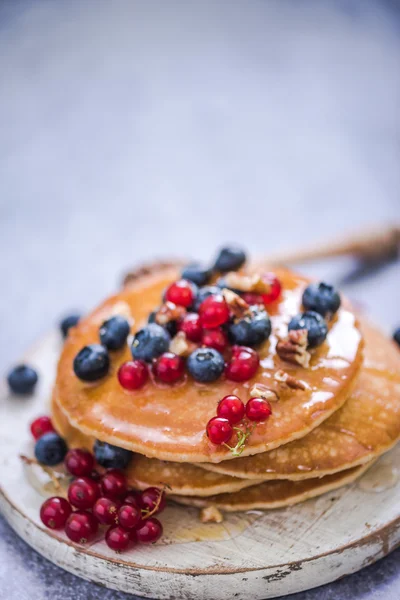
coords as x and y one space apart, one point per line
294 348
259 390
180 345
237 305
247 283
211 514
283 377
169 312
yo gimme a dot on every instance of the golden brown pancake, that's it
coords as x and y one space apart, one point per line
276 494
143 472
366 426
168 421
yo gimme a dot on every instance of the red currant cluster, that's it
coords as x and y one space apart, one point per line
232 411
207 328
96 499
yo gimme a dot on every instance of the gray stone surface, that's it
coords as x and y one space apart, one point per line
137 129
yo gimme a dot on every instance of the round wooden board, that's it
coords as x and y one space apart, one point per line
250 555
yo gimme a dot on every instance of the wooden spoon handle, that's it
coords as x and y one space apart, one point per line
373 245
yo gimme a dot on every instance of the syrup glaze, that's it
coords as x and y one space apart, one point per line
366 426
168 421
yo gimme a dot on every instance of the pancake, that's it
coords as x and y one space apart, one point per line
168 421
366 426
143 472
276 494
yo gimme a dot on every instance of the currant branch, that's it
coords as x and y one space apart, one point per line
146 513
32 461
242 436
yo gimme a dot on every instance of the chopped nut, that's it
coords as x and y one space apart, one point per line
169 312
237 305
289 380
180 345
211 514
294 348
247 283
259 390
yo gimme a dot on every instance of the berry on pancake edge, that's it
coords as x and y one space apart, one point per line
68 322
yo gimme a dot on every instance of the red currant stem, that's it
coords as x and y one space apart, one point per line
146 513
55 480
242 436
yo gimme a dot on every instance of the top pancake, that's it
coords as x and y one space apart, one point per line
169 421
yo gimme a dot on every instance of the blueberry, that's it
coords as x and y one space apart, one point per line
171 327
91 363
230 259
50 449
22 379
204 292
67 323
321 298
252 330
396 336
113 332
150 342
111 457
315 325
205 364
196 274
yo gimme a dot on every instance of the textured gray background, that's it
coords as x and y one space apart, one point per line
137 129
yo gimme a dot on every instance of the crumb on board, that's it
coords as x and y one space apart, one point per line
211 514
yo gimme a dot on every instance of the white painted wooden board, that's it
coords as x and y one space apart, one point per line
250 555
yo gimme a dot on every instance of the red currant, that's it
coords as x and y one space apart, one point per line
132 497
95 475
214 311
258 409
106 510
243 364
81 526
151 497
133 536
191 327
169 367
275 289
113 484
83 492
117 538
133 374
219 430
251 298
215 338
40 426
231 408
150 531
129 516
79 462
54 512
181 292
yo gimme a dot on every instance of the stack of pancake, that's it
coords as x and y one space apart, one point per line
320 435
